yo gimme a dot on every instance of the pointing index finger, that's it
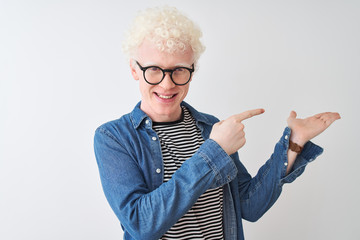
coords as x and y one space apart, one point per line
248 114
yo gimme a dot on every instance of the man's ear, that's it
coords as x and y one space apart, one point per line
133 70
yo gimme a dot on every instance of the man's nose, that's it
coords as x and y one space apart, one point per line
167 83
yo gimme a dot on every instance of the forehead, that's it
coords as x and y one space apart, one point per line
149 54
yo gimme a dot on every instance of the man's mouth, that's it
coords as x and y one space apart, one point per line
165 96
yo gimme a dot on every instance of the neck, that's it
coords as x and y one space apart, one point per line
172 116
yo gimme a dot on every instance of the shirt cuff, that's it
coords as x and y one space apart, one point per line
309 153
219 161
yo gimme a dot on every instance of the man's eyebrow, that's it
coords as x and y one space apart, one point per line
150 64
183 65
146 64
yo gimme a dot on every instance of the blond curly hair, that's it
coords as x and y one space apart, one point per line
167 28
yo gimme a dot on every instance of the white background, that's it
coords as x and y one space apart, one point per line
62 74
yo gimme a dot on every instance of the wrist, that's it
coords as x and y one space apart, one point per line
298 140
295 147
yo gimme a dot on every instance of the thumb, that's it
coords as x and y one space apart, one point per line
292 116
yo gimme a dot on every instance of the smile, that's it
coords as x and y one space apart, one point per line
165 96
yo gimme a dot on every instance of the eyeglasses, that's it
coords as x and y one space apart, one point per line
154 75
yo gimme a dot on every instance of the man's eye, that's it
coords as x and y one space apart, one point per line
154 69
179 70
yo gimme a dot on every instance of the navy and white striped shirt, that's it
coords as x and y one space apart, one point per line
179 141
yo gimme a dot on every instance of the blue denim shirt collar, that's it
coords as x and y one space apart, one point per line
137 116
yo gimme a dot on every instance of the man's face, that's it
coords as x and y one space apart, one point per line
161 102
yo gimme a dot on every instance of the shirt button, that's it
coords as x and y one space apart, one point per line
153 138
286 164
286 137
158 170
147 121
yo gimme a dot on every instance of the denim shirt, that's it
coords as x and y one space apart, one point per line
129 158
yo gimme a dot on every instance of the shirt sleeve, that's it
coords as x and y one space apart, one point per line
147 213
309 153
259 193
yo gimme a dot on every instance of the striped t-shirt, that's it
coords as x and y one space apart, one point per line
179 141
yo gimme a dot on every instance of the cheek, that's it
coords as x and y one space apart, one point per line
144 88
186 90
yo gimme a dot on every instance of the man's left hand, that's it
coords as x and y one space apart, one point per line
303 130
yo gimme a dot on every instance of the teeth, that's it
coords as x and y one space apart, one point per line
165 97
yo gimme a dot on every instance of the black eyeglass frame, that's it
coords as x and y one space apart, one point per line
171 71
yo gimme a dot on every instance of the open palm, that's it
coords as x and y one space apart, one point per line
304 130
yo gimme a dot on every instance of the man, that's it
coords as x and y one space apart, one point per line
171 172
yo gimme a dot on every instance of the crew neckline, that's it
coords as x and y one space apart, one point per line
173 122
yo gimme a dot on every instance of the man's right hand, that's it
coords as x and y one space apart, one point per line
229 133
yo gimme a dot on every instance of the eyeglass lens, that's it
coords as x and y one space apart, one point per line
179 75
